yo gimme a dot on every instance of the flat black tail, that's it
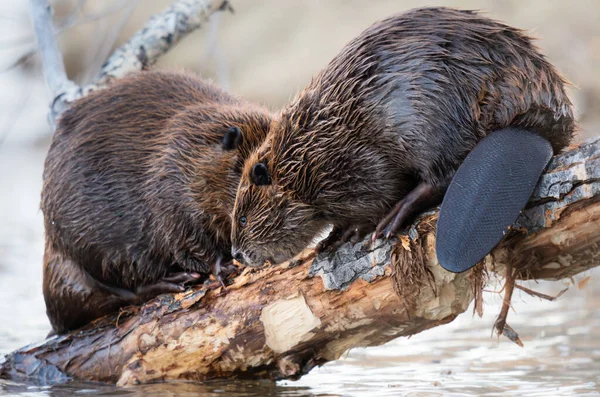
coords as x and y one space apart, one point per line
487 193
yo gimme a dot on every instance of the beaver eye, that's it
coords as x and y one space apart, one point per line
243 221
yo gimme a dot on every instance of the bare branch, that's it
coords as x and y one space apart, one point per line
104 42
160 33
52 62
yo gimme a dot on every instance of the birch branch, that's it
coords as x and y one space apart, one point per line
161 33
52 61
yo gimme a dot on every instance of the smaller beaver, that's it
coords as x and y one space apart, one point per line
379 134
139 186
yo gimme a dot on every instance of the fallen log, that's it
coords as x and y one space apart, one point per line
280 322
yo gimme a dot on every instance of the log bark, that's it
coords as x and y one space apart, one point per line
280 322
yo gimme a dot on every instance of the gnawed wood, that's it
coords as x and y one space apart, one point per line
279 322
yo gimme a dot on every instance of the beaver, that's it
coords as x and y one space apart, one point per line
139 186
378 135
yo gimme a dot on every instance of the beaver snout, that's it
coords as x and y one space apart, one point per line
238 255
245 258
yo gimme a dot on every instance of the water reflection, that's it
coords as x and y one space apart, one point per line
208 389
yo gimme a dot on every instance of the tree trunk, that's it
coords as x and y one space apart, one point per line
280 322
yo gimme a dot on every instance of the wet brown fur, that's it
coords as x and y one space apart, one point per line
137 186
400 106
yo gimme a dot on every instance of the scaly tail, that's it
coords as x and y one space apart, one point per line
486 195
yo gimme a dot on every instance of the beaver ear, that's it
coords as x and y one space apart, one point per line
260 175
232 139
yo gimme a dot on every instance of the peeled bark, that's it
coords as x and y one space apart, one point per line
280 322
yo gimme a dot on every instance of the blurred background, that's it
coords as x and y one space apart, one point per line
266 51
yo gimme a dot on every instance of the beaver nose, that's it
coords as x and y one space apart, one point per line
237 255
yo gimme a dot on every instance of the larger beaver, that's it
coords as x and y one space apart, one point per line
378 135
139 185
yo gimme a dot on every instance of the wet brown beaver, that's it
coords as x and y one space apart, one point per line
379 134
139 185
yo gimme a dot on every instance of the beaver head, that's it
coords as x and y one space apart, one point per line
201 164
270 222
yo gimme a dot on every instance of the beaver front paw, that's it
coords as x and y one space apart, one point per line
174 282
340 236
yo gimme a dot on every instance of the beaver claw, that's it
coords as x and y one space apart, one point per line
172 283
419 199
338 237
221 269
